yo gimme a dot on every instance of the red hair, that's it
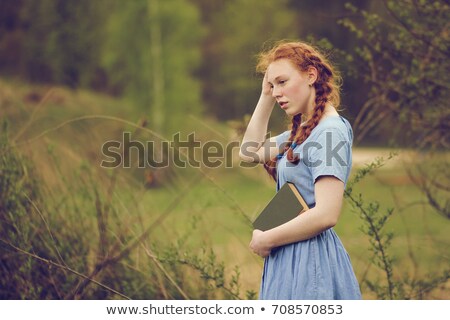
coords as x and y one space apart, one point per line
327 87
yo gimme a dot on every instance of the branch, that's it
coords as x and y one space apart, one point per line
166 274
52 263
36 109
378 240
233 202
412 32
46 225
108 261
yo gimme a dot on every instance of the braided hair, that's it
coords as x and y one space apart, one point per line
327 88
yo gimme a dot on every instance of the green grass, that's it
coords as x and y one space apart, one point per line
416 226
208 213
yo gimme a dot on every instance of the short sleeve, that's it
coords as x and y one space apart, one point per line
330 154
282 138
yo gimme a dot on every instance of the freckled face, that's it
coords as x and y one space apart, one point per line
290 87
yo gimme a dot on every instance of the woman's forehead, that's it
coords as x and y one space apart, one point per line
279 68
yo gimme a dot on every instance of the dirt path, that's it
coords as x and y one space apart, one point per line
363 156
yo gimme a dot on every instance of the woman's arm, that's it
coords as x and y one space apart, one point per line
255 147
329 193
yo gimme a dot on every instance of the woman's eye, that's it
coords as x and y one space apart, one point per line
282 82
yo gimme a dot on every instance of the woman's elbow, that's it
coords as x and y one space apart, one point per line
244 157
247 156
330 220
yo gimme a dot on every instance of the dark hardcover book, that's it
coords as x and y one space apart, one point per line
284 206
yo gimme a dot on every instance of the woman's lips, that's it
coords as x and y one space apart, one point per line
283 104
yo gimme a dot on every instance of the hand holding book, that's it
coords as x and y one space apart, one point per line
284 206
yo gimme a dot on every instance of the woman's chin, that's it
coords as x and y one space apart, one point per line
291 113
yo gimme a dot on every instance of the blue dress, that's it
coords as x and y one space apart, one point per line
317 268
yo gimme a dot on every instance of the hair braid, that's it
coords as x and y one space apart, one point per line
271 165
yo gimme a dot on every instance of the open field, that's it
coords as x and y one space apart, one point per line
195 208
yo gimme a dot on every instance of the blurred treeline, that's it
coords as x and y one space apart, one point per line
169 57
176 57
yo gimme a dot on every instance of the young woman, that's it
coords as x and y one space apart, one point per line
304 258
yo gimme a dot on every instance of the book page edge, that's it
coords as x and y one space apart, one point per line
299 196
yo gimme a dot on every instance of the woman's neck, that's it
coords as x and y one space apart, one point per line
328 111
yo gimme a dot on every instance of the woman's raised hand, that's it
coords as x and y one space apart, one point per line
266 86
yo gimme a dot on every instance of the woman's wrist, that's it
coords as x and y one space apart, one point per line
268 239
267 100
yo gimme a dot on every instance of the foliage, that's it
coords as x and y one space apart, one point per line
403 56
212 272
155 65
18 189
237 31
374 226
119 47
60 41
73 240
433 181
72 230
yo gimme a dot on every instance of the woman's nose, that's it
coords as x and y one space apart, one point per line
276 92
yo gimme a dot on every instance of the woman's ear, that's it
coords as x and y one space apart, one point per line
312 75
